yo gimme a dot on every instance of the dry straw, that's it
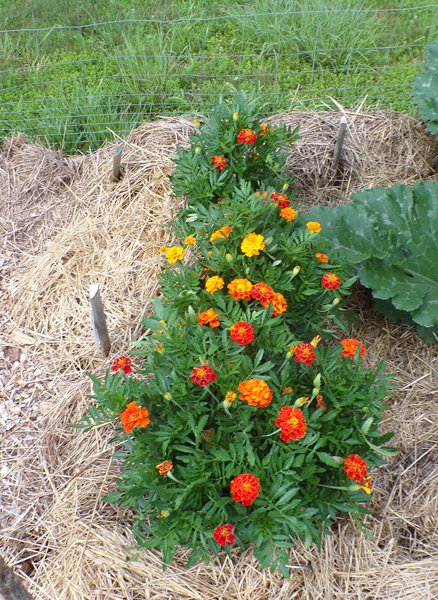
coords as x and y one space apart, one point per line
66 225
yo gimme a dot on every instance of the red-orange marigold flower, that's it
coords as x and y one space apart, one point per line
219 162
281 200
349 346
263 293
134 416
279 304
245 488
202 375
331 281
247 136
242 333
292 423
207 435
209 317
164 467
240 289
321 257
256 392
304 353
355 467
224 534
123 363
263 129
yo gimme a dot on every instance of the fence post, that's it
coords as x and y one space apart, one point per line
98 321
341 134
116 173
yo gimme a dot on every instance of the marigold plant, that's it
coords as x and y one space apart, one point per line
234 429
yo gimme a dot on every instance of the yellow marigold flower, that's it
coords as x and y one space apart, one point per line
230 397
221 234
190 240
164 513
213 284
196 122
315 341
252 244
209 253
174 254
163 323
314 226
162 249
366 484
289 214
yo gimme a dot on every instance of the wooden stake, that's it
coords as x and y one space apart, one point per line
115 176
98 321
341 134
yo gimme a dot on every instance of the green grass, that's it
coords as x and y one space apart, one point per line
73 88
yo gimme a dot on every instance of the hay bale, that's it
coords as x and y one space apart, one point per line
76 548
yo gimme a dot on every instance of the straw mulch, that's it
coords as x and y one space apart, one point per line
65 226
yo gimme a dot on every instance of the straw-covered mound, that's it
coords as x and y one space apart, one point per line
86 229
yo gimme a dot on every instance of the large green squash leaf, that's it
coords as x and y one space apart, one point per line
391 235
425 88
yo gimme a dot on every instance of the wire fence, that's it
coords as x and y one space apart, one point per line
78 84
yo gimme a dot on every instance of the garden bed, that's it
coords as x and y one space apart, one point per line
67 226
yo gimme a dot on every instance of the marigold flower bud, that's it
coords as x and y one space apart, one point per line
295 271
229 257
235 116
198 150
302 401
167 396
196 122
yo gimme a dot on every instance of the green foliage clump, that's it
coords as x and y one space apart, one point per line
213 430
390 237
426 88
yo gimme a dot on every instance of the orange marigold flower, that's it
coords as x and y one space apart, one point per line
213 284
190 240
247 136
162 249
288 214
164 467
134 416
292 423
304 353
221 234
202 375
321 257
245 488
331 281
281 200
255 392
279 304
174 254
218 162
209 317
252 244
123 363
287 390
263 293
349 346
240 289
263 129
223 534
355 467
314 226
242 333
320 403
